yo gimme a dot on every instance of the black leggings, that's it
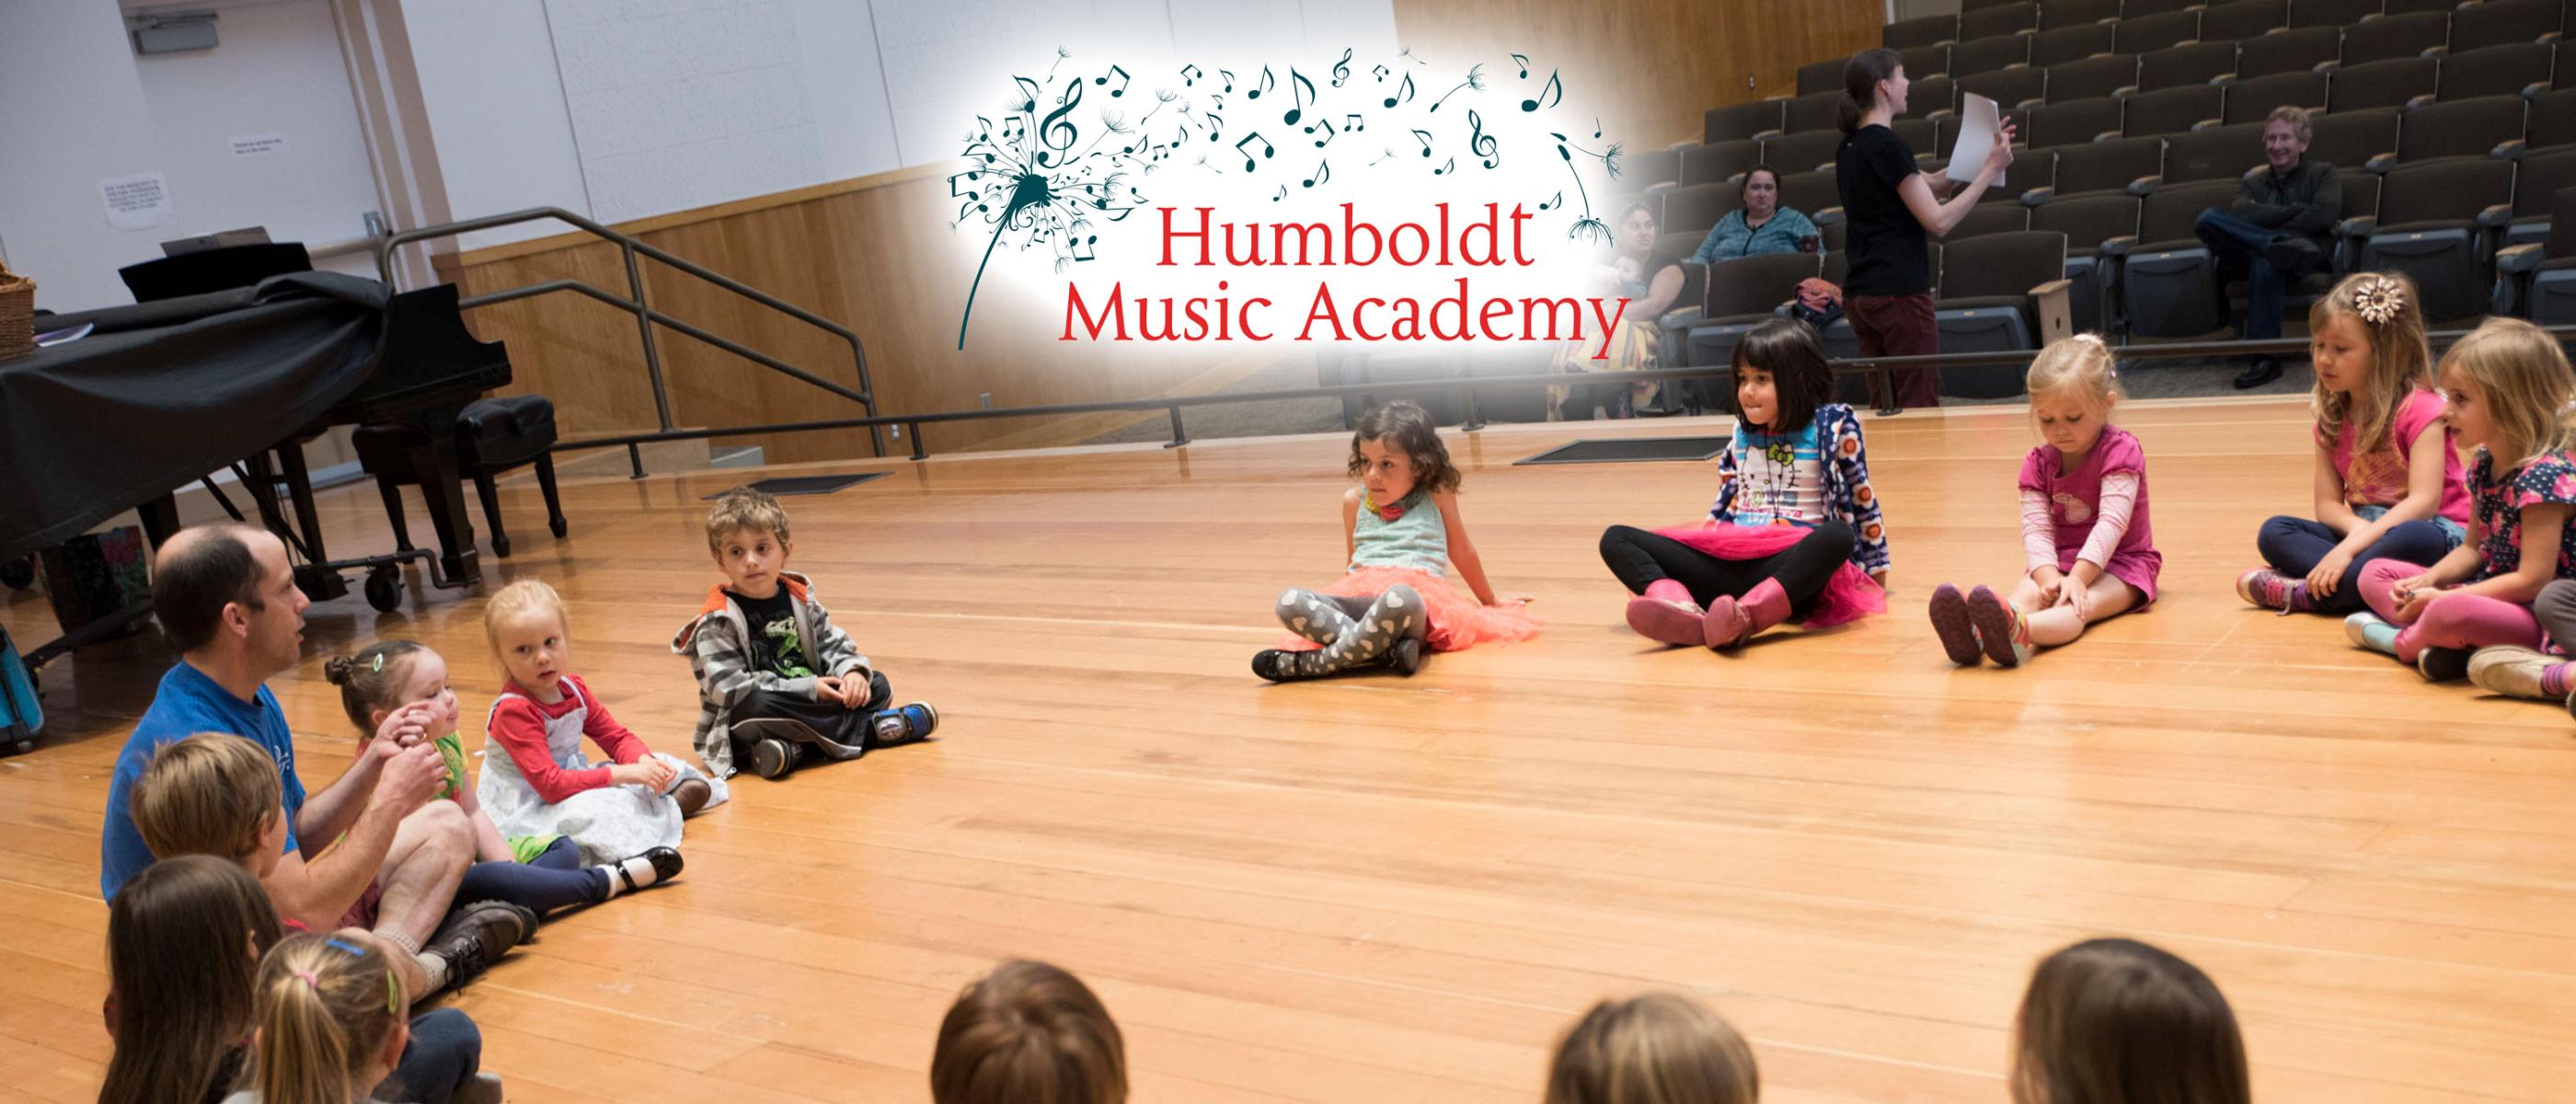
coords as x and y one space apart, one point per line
1639 558
830 720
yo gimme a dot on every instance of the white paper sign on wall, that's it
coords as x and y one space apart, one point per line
259 145
134 202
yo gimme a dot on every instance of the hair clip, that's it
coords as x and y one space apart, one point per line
2378 300
393 994
353 949
379 665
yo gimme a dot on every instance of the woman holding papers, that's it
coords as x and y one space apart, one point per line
1891 204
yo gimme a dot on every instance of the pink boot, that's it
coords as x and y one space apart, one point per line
1665 614
1730 620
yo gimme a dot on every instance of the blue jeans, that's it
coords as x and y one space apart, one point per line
552 880
2232 241
2295 545
446 1050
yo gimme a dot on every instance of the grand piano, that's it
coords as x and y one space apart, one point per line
162 393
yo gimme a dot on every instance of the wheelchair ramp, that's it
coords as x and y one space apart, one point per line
1625 450
807 484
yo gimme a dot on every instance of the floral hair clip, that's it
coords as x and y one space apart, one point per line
2378 300
378 666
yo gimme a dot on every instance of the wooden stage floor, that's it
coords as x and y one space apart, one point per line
1382 889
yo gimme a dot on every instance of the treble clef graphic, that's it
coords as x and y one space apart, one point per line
1056 123
1480 143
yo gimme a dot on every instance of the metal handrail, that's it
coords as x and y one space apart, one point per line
1878 369
645 315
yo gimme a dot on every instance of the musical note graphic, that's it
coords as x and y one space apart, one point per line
1297 108
1482 144
1266 148
1228 74
1190 75
1121 73
1342 68
1057 124
1354 123
1216 126
1283 194
1596 126
1326 125
1323 172
1523 61
1446 168
1403 92
1552 204
1554 94
1267 83
1381 72
1475 80
1424 137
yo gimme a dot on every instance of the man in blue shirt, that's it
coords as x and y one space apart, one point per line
227 601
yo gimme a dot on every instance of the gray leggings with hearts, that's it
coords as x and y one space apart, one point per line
1355 631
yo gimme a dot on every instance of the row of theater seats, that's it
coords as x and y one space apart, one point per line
2321 68
2148 20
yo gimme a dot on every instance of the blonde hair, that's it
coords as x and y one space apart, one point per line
745 508
326 1006
209 794
2080 365
522 597
1028 1033
2527 383
1660 1048
2400 360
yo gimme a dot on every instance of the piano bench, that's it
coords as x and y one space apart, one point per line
493 436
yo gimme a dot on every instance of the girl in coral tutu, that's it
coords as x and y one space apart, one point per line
1403 532
1796 530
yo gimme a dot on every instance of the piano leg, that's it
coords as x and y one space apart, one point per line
299 489
435 459
160 519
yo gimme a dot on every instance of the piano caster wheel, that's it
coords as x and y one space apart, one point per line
384 589
19 574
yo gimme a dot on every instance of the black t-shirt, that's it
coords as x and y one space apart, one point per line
1887 253
1644 285
775 645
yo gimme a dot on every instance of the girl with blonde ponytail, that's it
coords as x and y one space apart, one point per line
330 1023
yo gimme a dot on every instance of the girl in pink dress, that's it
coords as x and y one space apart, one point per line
2084 525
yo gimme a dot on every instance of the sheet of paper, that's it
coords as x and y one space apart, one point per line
1978 122
259 145
134 202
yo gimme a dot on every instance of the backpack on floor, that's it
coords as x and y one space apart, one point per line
22 716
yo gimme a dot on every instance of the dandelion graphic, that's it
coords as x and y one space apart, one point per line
1026 181
1587 229
1475 82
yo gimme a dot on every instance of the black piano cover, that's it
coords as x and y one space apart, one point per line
163 393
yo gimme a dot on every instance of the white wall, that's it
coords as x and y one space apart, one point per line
495 105
75 115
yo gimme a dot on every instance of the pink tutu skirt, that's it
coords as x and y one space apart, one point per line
1458 622
1849 596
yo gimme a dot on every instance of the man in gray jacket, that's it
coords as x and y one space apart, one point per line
2276 230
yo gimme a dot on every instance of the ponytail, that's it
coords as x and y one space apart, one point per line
1860 84
325 1008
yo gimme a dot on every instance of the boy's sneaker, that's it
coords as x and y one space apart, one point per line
2366 630
1950 622
904 724
773 758
473 935
2442 664
2271 590
2515 671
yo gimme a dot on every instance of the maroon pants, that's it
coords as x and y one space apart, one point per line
1899 325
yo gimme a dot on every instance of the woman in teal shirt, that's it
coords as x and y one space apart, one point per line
1762 226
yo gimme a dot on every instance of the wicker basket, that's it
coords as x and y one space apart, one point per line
17 314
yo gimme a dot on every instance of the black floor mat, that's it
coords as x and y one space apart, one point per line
1621 450
807 484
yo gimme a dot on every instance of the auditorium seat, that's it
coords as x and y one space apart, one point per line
2087 222
2243 19
1917 134
2156 32
2550 121
1919 61
2330 13
1715 162
1919 32
2009 88
2252 101
1814 111
2168 282
2299 51
2538 281
1825 76
1694 208
1739 121
2391 83
2073 122
2028 164
2490 126
2419 7
2396 36
2437 221
2103 168
1804 151
2108 75
1999 292
2540 177
2133 9
1929 99
2197 63
2002 19
2219 153
2565 68
2512 69
1653 167
2070 44
1986 55
2361 188
2173 110
1814 193
2073 13
2354 139
1990 218
2360 197
1742 293
2498 22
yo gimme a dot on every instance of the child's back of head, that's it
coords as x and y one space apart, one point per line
1660 1048
1028 1033
330 1020
210 794
182 941
2115 1021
